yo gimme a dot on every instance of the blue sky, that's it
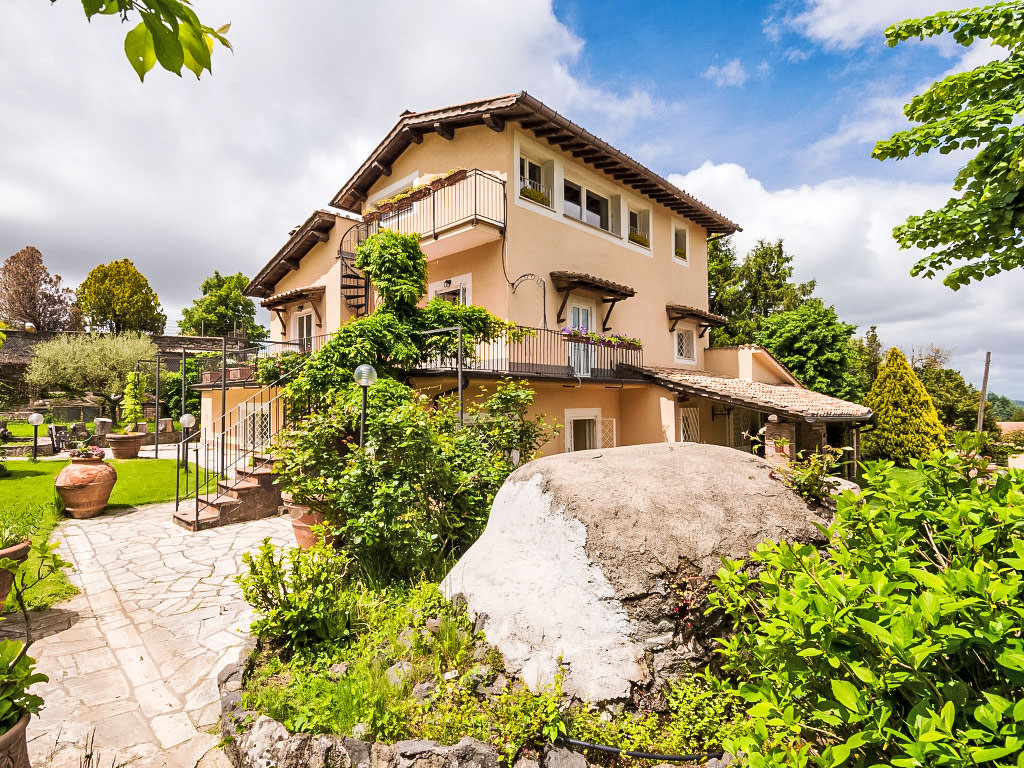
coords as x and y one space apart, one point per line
767 112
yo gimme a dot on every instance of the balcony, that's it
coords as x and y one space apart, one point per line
240 365
460 211
544 354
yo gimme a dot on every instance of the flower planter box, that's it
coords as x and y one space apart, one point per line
240 373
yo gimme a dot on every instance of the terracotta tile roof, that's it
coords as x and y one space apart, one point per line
532 115
295 294
1010 426
793 401
563 279
684 312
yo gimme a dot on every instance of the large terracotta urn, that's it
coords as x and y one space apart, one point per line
18 552
14 745
303 520
85 485
126 446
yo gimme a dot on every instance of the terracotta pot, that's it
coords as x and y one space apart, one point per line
13 745
18 552
84 485
303 520
126 446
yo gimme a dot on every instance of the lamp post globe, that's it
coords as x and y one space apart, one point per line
35 419
364 376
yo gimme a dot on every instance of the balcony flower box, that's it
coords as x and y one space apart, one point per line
240 373
613 340
210 377
535 195
640 239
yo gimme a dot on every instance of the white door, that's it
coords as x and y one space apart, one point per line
304 331
581 355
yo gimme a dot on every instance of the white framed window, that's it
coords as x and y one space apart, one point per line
589 206
685 345
586 430
303 326
689 425
681 244
535 180
640 227
455 290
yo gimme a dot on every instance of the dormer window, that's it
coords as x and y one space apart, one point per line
640 227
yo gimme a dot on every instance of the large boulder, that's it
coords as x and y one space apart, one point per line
604 558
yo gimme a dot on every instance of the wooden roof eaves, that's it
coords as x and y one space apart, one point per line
313 230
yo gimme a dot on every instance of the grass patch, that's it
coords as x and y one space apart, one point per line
30 485
24 429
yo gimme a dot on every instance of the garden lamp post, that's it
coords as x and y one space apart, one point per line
35 420
364 376
187 421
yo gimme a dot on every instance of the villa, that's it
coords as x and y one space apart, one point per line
525 213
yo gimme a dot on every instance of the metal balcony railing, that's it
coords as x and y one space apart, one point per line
469 198
543 354
535 191
240 365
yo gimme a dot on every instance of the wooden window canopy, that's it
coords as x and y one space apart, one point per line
611 293
706 320
278 301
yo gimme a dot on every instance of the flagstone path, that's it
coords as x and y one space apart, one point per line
135 656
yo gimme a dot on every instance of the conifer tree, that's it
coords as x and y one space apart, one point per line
906 423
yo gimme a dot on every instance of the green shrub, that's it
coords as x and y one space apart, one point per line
275 369
906 424
640 239
420 493
901 643
131 403
297 595
809 473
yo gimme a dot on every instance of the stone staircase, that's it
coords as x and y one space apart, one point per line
251 495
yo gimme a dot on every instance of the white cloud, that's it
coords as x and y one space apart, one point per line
730 73
840 233
843 25
182 176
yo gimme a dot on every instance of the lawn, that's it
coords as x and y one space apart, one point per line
24 429
139 481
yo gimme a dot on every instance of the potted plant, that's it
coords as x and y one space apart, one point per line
127 444
85 483
17 524
536 195
17 668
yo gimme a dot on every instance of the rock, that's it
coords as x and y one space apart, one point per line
398 672
451 674
526 762
358 751
406 638
433 625
473 753
840 484
495 688
360 731
383 755
267 744
415 747
338 670
424 690
478 674
720 762
479 652
595 556
560 757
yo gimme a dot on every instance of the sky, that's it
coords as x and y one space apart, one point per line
765 111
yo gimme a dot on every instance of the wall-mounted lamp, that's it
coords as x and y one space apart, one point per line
447 283
774 418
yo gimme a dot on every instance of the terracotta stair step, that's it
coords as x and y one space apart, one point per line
209 517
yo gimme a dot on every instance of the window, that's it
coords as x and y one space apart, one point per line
584 434
304 328
590 207
532 182
689 425
681 244
573 200
454 290
640 228
686 346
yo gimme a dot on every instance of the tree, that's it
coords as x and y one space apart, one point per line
955 400
82 363
906 424
867 358
222 309
749 292
30 294
1005 409
117 297
170 34
814 344
981 230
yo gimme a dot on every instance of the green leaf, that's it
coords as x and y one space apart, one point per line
846 693
165 42
138 47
